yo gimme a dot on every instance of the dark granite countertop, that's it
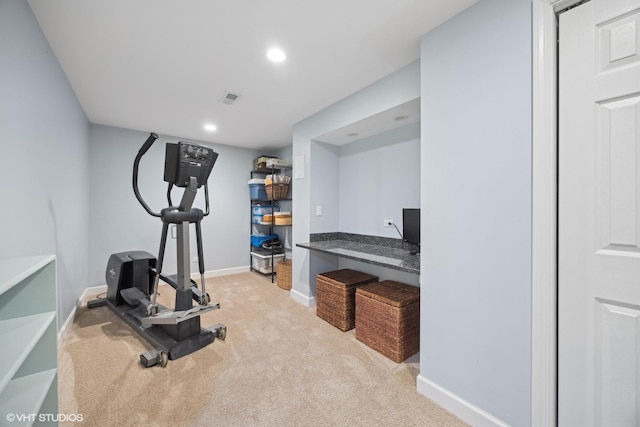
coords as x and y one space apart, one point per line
391 255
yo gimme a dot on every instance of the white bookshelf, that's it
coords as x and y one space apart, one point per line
28 338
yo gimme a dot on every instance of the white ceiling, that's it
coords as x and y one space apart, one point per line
395 117
163 65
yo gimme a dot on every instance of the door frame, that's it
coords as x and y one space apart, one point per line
544 282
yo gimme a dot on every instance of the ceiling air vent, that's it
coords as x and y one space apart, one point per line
229 98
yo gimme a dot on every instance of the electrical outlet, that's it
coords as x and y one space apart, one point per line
388 222
195 260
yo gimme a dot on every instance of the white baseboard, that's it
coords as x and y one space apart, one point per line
94 290
456 405
65 326
302 298
222 272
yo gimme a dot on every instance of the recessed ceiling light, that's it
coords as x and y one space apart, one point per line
210 127
276 55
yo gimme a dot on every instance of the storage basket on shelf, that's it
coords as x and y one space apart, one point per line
388 318
277 186
335 296
283 274
277 191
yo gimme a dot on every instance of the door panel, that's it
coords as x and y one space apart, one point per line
599 215
618 176
616 364
618 41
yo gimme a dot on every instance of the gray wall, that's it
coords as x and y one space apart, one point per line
379 176
476 217
360 184
45 155
309 191
325 179
119 223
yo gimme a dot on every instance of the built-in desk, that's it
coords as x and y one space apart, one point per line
374 250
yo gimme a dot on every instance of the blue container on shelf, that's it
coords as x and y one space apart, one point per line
258 240
266 209
256 189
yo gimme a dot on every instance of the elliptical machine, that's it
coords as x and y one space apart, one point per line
133 277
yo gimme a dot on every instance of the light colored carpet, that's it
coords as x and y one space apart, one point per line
280 365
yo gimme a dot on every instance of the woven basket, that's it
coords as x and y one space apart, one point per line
388 318
283 274
277 191
335 296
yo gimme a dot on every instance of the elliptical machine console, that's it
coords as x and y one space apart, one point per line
133 277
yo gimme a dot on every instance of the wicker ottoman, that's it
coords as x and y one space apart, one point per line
388 318
335 297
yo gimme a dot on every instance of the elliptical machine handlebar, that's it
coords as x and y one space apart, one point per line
147 144
206 198
143 150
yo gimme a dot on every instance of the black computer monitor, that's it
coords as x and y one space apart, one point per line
411 227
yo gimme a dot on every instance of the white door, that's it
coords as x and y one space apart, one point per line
599 215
